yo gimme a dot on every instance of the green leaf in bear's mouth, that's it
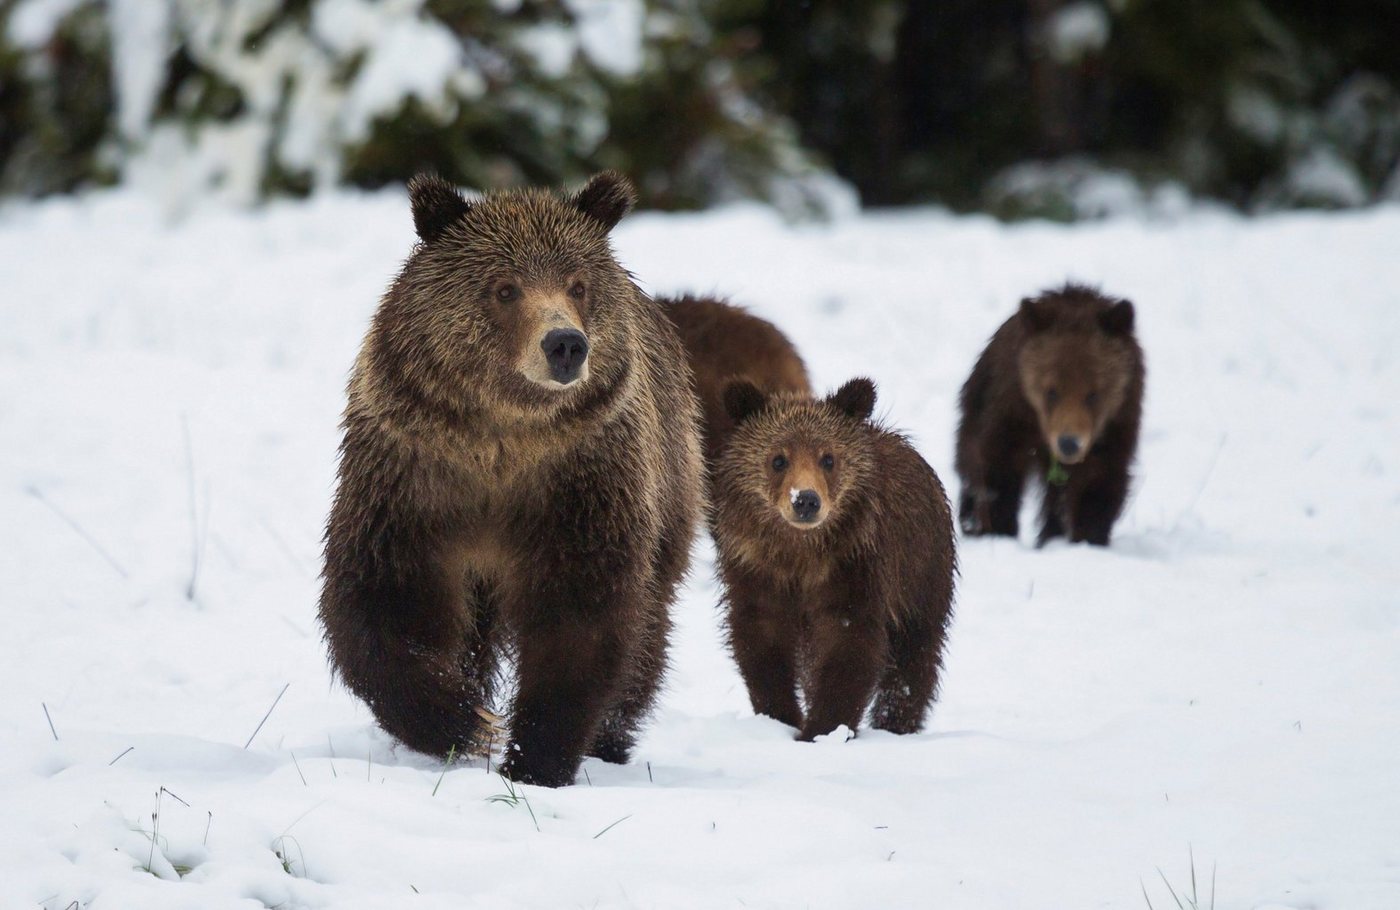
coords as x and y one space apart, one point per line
1058 475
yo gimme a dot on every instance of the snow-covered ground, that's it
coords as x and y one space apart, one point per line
1225 680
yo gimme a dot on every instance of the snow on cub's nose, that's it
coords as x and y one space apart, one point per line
802 495
806 504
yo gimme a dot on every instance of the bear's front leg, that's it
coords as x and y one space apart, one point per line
1095 495
568 670
991 499
577 620
910 676
763 634
1052 510
848 650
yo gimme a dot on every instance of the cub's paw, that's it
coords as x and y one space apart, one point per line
540 774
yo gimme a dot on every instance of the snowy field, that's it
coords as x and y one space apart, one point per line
1224 682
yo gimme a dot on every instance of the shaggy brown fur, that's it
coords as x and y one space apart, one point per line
501 489
835 545
725 343
1061 380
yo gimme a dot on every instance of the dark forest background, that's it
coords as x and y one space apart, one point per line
1018 107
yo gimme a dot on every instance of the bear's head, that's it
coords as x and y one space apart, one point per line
1076 364
515 298
794 460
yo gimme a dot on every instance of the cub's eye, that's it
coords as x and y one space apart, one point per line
827 462
1091 399
780 463
577 290
1052 397
507 293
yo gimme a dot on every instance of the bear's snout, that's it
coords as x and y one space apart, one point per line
806 506
565 350
1069 446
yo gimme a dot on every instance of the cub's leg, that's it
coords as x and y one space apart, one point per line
1095 495
910 680
848 652
1052 511
990 502
764 630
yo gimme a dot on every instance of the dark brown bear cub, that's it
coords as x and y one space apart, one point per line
520 474
835 545
1058 391
725 343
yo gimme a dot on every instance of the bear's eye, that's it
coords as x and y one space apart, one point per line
1091 399
577 290
827 462
780 463
507 293
1052 397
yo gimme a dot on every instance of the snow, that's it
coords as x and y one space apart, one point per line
1077 30
412 58
1255 113
1322 175
551 46
140 30
1088 189
1222 680
610 32
32 22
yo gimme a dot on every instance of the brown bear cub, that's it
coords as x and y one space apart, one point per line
724 343
520 474
835 544
1058 390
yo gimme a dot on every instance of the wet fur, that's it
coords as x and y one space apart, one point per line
479 512
1079 343
854 609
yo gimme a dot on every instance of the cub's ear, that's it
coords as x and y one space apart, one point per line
436 205
854 399
1117 319
742 400
1035 316
606 198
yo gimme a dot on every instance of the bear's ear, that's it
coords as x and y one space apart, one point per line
606 198
742 400
854 399
436 205
1117 319
1034 315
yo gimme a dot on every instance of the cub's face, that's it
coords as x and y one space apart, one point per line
516 296
1076 377
803 481
794 457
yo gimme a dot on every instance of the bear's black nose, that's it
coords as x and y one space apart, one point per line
806 504
565 351
1068 445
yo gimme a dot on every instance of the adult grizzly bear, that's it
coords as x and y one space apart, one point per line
1058 390
835 543
725 342
520 473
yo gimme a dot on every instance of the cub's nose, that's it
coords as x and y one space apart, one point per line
806 504
1068 445
565 350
